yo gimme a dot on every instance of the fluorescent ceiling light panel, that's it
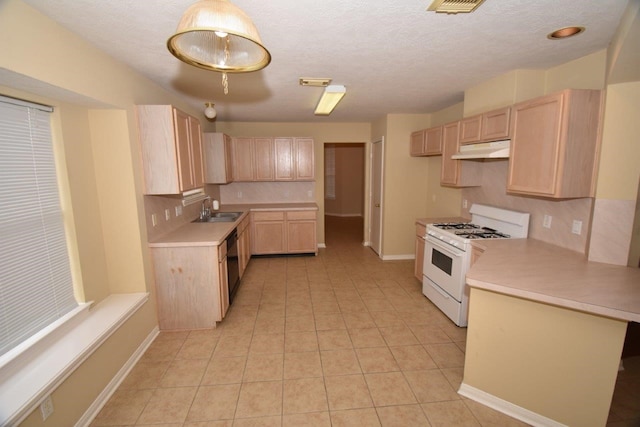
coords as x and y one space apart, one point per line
330 97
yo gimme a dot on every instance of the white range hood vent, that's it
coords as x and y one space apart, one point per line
485 150
193 196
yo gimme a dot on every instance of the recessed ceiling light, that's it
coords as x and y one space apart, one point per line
565 32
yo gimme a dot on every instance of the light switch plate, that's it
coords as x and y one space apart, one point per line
576 227
167 214
546 223
154 219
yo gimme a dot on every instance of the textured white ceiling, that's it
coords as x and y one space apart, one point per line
392 55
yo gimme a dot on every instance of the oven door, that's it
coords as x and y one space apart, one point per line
445 266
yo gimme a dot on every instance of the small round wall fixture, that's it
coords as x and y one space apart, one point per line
210 112
565 32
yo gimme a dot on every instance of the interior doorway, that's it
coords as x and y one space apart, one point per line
344 192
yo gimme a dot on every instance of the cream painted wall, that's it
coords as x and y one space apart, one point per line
587 72
320 132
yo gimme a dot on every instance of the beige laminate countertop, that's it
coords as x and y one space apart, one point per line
214 233
542 272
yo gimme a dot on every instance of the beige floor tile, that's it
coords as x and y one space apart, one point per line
299 309
303 323
347 392
449 414
325 307
358 320
264 367
355 418
269 325
398 335
389 388
376 359
197 347
340 362
352 305
260 399
302 365
446 355
490 417
316 419
168 405
233 345
269 343
329 321
304 395
430 334
402 416
334 340
454 376
454 332
412 358
214 403
145 375
387 318
273 421
224 370
184 372
368 337
431 386
219 423
296 342
377 304
123 408
163 350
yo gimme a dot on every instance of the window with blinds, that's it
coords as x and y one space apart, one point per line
35 277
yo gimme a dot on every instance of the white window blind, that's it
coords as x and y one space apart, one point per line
35 277
329 172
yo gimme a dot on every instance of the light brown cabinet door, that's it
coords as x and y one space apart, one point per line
304 161
449 173
181 129
418 264
470 129
433 141
416 144
284 159
495 124
224 287
243 152
268 237
263 159
301 236
218 159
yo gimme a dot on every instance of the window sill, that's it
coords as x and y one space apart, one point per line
29 378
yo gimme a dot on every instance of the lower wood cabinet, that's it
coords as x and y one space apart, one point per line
191 286
418 265
244 244
283 232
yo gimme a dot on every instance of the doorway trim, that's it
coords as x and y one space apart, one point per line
372 202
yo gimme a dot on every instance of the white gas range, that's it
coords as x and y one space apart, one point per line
447 255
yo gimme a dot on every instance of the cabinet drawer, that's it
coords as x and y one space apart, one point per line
267 216
294 215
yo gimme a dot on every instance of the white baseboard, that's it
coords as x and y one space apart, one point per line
341 215
322 246
115 382
366 243
398 257
508 408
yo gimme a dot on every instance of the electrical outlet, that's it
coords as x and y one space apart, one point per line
465 203
167 214
178 210
546 223
154 219
239 194
309 194
46 408
576 228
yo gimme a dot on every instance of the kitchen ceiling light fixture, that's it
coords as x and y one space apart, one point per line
218 36
209 111
454 6
565 32
330 97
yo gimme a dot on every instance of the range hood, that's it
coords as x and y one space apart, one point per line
485 150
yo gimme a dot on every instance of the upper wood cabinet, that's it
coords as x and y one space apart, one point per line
218 159
485 127
274 159
426 142
171 147
457 173
555 144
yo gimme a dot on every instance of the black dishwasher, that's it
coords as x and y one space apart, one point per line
233 269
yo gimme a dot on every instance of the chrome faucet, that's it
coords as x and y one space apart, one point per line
205 212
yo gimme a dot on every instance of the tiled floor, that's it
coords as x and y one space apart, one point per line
341 339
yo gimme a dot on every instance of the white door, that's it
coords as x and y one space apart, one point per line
377 158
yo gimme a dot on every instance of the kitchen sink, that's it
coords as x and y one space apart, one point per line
220 217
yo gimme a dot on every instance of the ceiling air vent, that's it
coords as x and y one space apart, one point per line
454 6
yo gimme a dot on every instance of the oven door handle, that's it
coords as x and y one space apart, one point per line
438 290
443 246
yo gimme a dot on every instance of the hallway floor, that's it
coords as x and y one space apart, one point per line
341 339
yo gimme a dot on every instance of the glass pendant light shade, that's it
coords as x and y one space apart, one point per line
216 35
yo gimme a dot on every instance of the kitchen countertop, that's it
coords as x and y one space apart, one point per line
546 273
214 233
425 221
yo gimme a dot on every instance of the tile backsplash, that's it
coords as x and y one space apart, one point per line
267 192
562 212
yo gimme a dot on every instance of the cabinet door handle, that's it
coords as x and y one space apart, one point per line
377 205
